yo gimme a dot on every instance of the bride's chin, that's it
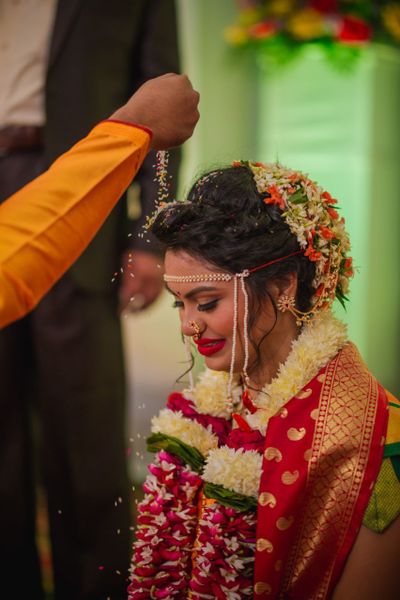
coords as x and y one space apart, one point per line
216 365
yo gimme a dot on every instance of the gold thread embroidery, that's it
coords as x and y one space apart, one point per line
267 499
288 477
347 410
296 434
283 413
308 454
263 545
273 454
305 394
314 414
283 523
262 588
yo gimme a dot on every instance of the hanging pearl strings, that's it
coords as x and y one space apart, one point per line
234 335
245 328
189 359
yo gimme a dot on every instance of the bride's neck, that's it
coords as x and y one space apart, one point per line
274 351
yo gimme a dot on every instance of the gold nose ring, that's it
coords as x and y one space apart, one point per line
196 327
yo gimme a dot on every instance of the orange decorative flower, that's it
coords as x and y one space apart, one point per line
349 263
332 213
263 30
328 198
275 198
326 232
306 24
312 253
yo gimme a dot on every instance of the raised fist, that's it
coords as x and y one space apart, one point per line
167 105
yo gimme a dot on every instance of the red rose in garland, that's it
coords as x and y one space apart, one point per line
219 425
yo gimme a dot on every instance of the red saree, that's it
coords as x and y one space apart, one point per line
323 452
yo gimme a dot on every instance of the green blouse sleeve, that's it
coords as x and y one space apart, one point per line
384 504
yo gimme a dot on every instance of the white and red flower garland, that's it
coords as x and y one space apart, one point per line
224 554
177 554
205 461
166 530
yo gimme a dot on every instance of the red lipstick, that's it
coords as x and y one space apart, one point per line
208 347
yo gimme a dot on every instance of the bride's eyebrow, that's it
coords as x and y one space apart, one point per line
194 291
198 290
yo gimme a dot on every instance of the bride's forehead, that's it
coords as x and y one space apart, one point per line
181 263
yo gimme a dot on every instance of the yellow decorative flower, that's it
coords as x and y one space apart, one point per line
391 19
235 35
306 24
279 8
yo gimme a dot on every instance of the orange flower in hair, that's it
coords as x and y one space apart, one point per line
326 196
326 232
275 197
332 213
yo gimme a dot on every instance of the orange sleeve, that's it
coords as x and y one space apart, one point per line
46 225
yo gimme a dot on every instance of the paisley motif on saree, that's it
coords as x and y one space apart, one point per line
329 440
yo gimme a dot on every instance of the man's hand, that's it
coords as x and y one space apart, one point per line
167 105
142 280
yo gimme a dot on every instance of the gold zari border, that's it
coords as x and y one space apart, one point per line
340 451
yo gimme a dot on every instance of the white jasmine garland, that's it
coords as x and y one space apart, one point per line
210 393
236 470
191 433
317 344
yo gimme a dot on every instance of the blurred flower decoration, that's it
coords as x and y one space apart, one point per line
279 29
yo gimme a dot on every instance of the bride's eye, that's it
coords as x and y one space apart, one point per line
207 306
177 304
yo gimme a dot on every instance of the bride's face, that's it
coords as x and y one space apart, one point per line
211 305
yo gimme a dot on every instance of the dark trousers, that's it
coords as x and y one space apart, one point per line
64 365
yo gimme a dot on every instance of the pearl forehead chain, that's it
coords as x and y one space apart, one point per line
198 278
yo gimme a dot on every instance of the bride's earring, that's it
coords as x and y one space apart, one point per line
285 303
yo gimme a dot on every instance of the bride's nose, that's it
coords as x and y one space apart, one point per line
192 329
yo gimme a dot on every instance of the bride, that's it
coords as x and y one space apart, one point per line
277 474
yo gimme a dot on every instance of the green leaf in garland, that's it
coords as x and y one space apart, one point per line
341 297
298 197
226 497
188 454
